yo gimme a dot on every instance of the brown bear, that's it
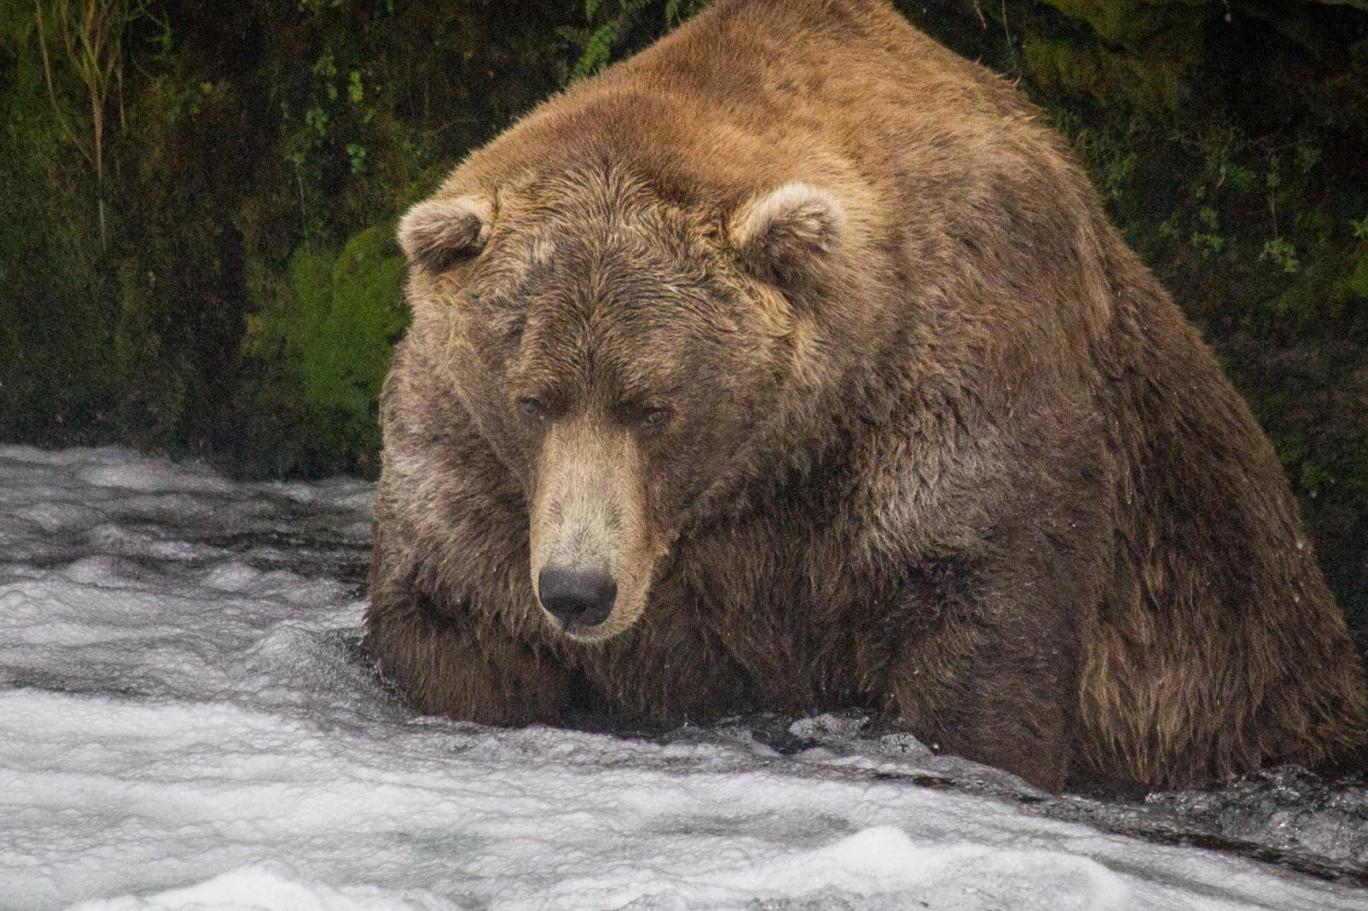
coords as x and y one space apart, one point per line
792 364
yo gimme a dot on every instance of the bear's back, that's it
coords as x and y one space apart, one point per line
753 93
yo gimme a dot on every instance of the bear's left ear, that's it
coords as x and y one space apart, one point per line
438 233
781 234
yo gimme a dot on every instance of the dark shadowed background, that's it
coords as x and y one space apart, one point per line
197 202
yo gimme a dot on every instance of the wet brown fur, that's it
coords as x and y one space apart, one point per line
965 463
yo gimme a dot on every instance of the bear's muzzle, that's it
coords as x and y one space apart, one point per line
592 551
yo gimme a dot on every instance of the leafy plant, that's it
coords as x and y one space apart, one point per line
88 36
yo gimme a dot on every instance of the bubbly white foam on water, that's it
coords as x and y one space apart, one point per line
186 722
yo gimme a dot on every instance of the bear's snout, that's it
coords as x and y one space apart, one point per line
591 552
579 599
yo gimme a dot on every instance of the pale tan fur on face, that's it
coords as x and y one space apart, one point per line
589 513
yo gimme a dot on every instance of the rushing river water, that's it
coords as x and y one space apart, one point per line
186 720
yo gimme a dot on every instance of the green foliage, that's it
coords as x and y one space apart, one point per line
53 363
318 351
1135 23
1106 75
618 27
1281 252
257 139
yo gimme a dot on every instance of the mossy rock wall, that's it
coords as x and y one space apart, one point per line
244 299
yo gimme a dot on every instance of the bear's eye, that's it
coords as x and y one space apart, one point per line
654 418
534 408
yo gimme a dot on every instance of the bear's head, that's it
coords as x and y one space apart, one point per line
619 349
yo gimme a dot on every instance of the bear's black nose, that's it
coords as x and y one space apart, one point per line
577 598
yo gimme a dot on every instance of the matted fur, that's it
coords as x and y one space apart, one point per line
942 446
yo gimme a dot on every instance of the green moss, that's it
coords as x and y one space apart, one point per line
1356 282
56 376
351 314
1134 23
1069 67
321 340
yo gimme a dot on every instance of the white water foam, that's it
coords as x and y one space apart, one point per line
186 722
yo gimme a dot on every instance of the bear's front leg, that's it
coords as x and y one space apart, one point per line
989 669
476 673
455 662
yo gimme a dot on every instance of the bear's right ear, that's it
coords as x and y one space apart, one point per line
782 234
439 232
